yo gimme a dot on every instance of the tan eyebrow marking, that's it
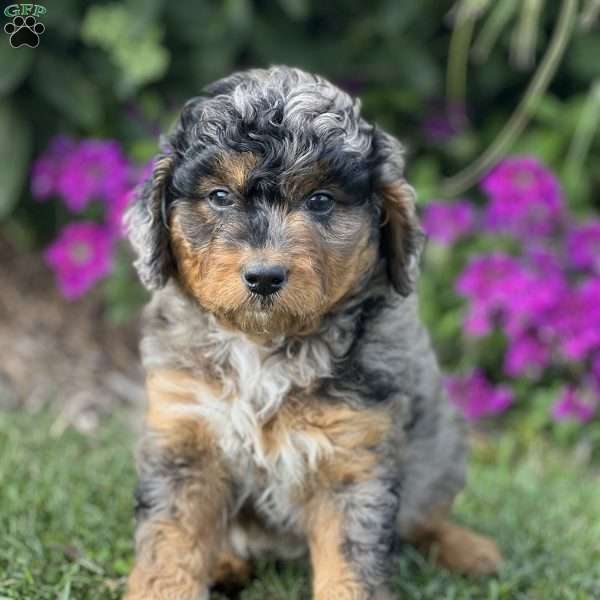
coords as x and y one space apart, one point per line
234 168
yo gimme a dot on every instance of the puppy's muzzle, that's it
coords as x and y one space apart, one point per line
264 279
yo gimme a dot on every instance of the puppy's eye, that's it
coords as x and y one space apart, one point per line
220 199
320 203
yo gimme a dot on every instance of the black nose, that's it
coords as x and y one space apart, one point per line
264 279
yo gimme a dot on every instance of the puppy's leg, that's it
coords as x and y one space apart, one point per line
350 538
456 548
182 503
353 503
181 521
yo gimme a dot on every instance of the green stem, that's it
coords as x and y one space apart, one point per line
495 23
462 181
458 60
526 33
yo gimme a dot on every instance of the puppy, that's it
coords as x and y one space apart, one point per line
295 404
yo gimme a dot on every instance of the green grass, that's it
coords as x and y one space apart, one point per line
66 528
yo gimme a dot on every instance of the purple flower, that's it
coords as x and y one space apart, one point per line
445 222
511 292
80 256
541 292
94 170
526 355
583 246
545 261
524 198
46 169
476 396
575 404
576 320
443 123
491 283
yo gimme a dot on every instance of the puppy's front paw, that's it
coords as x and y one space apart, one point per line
146 585
172 594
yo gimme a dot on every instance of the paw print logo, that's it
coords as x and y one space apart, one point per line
24 32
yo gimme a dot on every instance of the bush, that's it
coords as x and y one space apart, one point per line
459 86
520 280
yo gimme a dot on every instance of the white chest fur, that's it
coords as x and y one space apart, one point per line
256 383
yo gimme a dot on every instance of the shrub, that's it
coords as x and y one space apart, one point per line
533 297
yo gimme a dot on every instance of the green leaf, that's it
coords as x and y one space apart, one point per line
61 21
581 58
297 9
549 110
424 176
136 51
577 187
66 593
122 292
15 149
14 67
239 13
145 11
64 85
394 17
543 142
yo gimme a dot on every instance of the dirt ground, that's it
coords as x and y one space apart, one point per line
60 353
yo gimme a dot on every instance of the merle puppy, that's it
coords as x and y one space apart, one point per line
295 403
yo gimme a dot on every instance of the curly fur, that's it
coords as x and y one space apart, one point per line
311 408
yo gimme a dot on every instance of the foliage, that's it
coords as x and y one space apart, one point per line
135 51
66 522
446 78
122 69
530 274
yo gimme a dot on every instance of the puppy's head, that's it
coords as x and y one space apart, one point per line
273 200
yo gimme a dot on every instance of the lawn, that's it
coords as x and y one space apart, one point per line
66 527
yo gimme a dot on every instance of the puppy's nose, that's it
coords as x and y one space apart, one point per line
264 279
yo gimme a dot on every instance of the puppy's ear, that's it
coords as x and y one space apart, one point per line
147 219
146 228
401 237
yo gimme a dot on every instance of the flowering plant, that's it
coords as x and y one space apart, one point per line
527 276
84 175
527 285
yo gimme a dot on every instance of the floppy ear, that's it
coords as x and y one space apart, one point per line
146 220
146 228
401 237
